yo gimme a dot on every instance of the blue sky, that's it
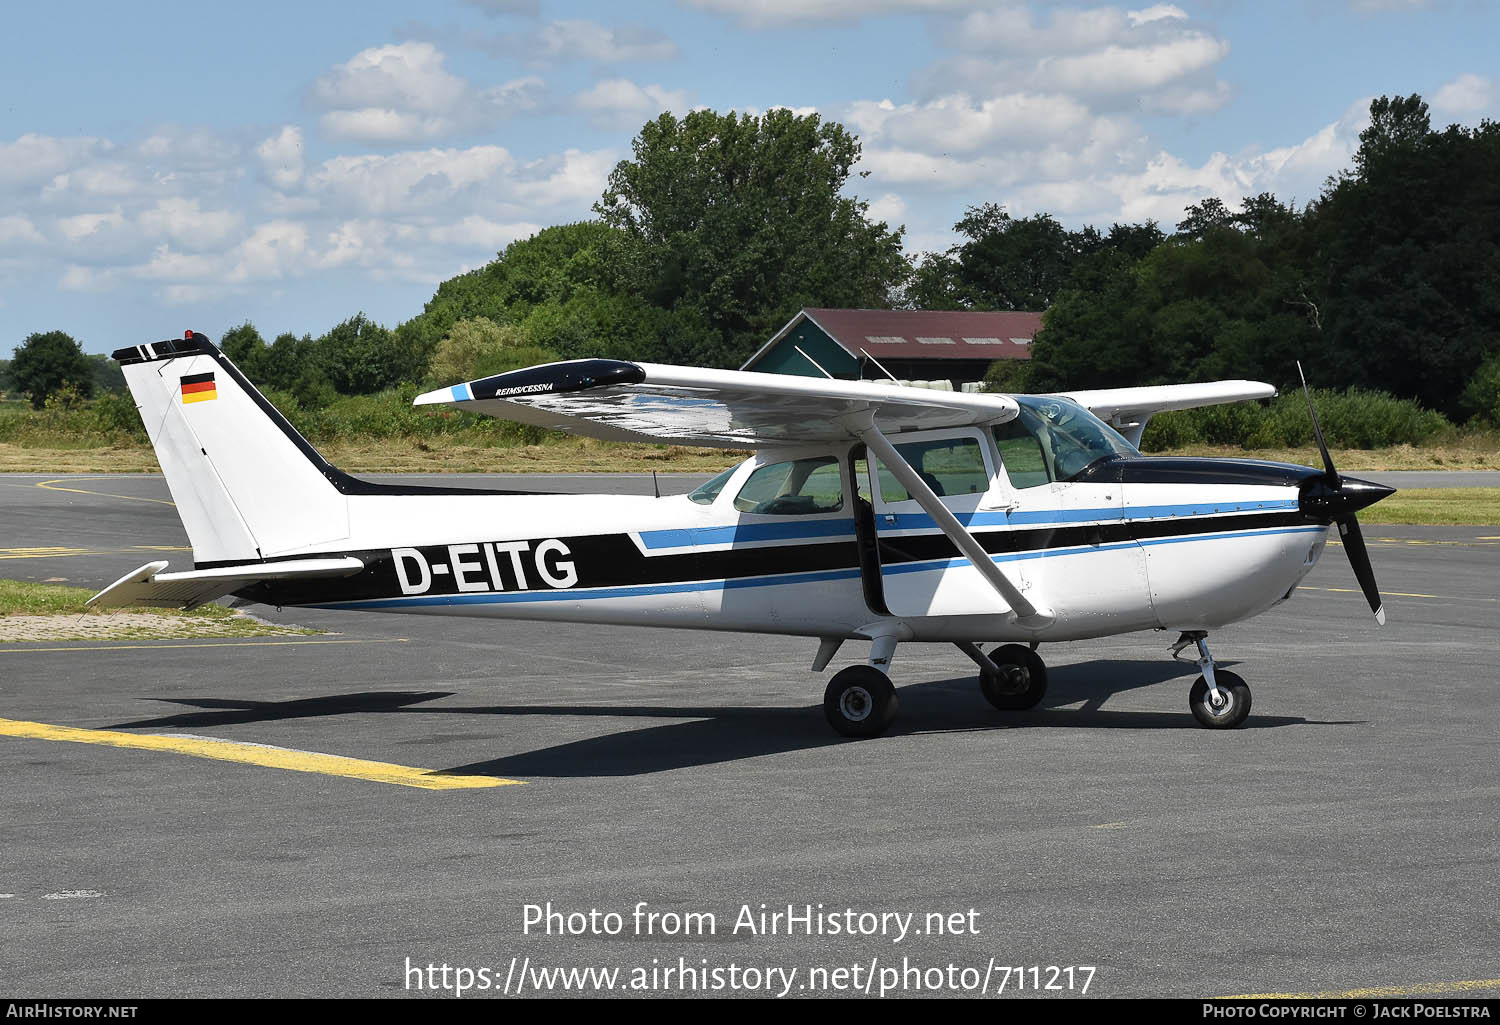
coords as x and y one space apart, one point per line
171 165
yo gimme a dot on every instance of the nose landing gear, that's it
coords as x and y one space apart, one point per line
1219 700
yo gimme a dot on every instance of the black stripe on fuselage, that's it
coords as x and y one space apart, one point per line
612 560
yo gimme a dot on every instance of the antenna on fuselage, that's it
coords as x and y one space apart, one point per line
655 486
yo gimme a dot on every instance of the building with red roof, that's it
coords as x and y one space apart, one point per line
924 345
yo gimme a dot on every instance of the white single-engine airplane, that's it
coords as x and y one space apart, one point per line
869 511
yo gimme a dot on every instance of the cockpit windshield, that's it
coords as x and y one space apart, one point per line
1055 439
708 491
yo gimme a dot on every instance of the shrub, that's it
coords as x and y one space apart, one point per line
1350 419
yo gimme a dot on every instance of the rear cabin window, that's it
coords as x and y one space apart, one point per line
800 487
949 466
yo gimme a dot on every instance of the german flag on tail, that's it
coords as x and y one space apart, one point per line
199 388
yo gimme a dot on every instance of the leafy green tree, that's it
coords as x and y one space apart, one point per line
549 267
1202 219
1021 264
1225 297
1008 375
47 363
295 366
107 375
478 347
1408 258
361 357
1011 264
245 347
742 219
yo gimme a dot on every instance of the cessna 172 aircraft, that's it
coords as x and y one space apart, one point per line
869 511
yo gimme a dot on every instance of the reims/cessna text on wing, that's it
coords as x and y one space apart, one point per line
869 511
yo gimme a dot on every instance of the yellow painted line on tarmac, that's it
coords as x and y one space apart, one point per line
44 553
1478 542
256 754
1418 989
154 646
48 485
1397 594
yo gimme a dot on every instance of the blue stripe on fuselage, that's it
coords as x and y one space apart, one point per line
747 533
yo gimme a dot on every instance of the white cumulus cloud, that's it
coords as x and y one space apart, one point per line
281 157
403 93
1467 94
621 103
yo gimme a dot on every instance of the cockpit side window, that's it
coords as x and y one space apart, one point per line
800 487
950 466
1055 439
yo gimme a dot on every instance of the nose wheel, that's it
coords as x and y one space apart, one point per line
1220 700
1223 707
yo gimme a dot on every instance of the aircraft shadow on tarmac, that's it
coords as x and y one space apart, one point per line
716 734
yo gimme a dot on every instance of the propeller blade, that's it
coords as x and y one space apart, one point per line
1359 558
1333 475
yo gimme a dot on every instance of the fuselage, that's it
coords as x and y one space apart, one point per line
1129 543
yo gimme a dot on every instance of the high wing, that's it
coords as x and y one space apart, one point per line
1128 409
621 401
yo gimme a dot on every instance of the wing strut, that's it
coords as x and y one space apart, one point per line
1027 614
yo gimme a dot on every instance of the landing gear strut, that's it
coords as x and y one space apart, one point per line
861 701
1220 700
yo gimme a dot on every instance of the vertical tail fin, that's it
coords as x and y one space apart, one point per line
246 484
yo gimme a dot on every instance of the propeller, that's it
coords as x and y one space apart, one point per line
1338 499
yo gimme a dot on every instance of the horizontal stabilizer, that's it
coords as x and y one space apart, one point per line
149 586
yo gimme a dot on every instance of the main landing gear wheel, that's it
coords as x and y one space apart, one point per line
1233 704
1021 682
860 702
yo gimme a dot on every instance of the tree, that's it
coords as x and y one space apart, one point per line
295 366
245 347
1218 299
1408 258
741 219
1202 218
47 363
361 357
479 347
550 266
1396 123
1021 264
1010 264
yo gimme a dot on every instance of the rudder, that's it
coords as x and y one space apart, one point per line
247 486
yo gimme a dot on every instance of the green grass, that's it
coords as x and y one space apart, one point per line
23 598
1437 507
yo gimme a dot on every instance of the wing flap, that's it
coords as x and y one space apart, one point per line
149 586
618 401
